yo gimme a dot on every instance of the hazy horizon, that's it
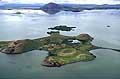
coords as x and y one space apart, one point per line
62 1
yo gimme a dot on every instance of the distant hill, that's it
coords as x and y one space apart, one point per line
51 8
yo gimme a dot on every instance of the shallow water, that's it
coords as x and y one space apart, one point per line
34 24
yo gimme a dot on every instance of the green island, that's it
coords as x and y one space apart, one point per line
62 49
18 13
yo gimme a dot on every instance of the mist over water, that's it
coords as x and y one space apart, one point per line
34 24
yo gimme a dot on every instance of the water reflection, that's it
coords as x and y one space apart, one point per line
35 25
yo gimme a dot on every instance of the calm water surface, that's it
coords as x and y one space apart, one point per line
34 24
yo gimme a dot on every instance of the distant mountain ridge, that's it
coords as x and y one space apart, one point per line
19 6
53 8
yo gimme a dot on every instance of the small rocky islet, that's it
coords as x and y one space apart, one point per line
62 50
62 28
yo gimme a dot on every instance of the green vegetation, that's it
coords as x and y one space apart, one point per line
18 13
4 44
71 59
68 55
61 49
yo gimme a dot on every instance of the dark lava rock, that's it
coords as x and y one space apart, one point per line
51 8
53 32
51 64
76 10
62 28
108 26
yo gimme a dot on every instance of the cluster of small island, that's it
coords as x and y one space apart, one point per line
61 49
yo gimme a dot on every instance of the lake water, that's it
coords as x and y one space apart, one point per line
34 24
